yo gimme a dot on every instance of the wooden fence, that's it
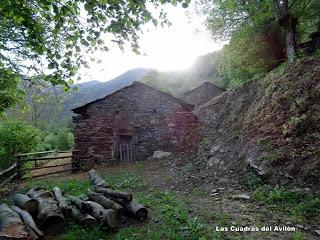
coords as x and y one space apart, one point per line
38 164
8 174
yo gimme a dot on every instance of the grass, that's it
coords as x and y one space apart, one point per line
169 214
270 157
253 181
295 205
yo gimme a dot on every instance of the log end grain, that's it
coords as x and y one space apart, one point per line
141 214
31 205
53 225
14 231
113 219
90 223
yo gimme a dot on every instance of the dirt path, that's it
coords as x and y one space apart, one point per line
212 198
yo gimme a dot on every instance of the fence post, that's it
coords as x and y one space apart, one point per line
74 161
19 166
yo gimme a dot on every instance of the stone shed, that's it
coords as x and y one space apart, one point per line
202 94
131 123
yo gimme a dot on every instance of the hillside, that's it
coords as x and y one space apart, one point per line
274 124
90 91
177 83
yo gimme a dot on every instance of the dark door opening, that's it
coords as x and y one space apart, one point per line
124 148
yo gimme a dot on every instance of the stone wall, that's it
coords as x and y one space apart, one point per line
155 120
202 94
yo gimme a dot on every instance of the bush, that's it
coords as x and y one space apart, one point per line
16 137
61 139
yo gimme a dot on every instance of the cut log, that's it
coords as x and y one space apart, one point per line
106 217
135 209
96 180
62 202
49 216
31 226
83 219
11 225
113 194
105 202
39 192
25 202
79 203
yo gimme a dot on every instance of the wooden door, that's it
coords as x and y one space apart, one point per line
125 149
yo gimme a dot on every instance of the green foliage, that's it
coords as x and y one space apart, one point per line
51 39
76 232
16 137
271 157
252 55
57 139
203 149
256 31
295 204
9 94
170 216
298 236
254 181
73 186
41 103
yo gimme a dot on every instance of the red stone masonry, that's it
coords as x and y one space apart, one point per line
131 123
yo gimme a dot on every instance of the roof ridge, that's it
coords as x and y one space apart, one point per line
206 82
180 101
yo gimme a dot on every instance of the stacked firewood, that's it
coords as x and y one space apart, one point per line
47 210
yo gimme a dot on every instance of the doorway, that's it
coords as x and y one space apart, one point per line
124 148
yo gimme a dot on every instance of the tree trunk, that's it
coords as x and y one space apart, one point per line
11 225
106 217
289 24
31 226
83 219
62 203
135 209
49 216
25 202
39 192
113 194
291 43
96 180
81 204
105 202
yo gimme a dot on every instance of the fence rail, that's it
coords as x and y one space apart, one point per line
8 174
44 162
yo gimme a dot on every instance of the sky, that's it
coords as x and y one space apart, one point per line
171 48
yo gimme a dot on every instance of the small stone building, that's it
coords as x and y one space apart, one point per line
131 123
202 94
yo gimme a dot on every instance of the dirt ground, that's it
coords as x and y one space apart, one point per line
209 197
209 189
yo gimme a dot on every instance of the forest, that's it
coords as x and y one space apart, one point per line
261 135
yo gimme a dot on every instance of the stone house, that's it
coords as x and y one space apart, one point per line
202 94
132 123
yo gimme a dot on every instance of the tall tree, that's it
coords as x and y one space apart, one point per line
42 102
288 13
229 17
50 38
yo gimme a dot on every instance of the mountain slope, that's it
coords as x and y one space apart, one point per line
274 122
177 83
90 91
